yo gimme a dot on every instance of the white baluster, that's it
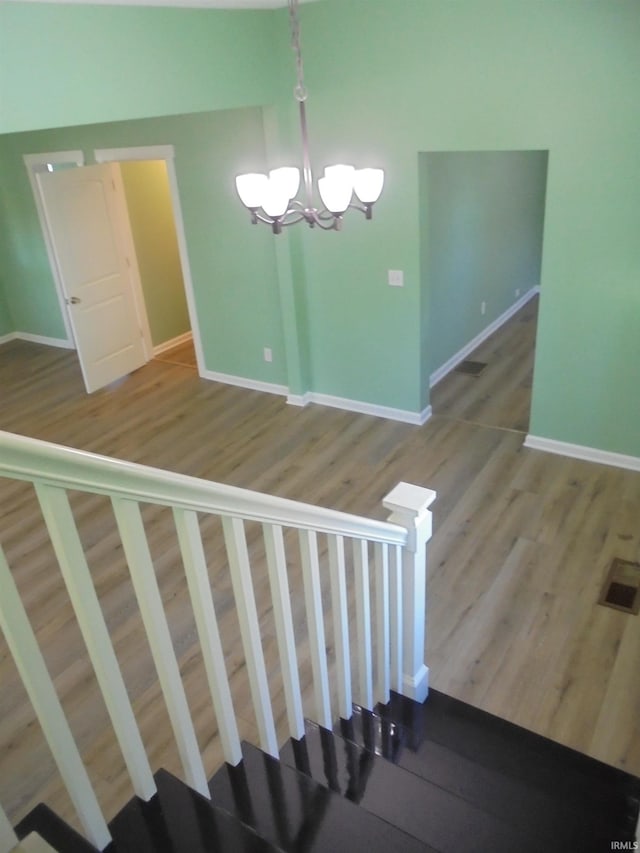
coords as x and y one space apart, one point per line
75 571
143 577
315 622
382 621
240 570
195 568
8 838
39 686
363 621
340 624
277 565
409 505
395 607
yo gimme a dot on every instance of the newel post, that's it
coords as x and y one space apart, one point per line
409 507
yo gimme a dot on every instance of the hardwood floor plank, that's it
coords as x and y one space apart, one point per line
522 543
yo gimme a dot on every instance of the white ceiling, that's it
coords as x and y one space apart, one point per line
211 4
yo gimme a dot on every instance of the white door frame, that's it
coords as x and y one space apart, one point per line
166 153
38 163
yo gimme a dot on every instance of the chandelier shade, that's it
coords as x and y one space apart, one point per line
287 178
271 198
336 188
252 189
367 184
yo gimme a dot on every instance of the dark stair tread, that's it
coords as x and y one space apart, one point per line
427 810
54 830
455 724
511 797
297 814
481 739
179 820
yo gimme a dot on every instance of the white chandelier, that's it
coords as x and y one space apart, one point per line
272 198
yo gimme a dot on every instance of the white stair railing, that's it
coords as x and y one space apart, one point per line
396 630
8 838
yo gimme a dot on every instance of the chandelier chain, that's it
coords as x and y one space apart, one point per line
300 90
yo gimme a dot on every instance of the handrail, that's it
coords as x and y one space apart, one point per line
55 465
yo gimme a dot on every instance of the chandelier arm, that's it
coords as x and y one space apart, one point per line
260 218
334 225
366 208
299 217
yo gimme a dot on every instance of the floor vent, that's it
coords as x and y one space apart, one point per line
621 589
471 368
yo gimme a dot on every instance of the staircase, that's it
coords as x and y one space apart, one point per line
437 776
403 770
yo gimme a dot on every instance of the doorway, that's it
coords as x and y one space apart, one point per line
152 232
481 232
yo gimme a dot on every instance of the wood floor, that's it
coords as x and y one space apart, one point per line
522 544
183 355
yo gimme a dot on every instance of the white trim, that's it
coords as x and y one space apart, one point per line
416 686
33 164
580 451
299 399
172 343
62 343
403 415
455 360
167 153
142 152
243 382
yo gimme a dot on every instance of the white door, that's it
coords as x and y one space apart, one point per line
83 214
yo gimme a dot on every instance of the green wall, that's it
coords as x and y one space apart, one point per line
146 187
6 321
484 239
74 64
412 78
466 76
236 289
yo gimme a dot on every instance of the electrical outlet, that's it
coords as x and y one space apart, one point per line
517 291
483 307
267 354
395 278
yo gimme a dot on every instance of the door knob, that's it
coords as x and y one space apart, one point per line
73 300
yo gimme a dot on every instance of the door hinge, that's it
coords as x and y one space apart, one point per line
128 262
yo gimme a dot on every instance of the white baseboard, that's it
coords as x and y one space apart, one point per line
403 415
416 418
243 382
455 360
299 399
579 451
174 342
62 343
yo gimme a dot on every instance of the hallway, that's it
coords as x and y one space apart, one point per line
501 395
